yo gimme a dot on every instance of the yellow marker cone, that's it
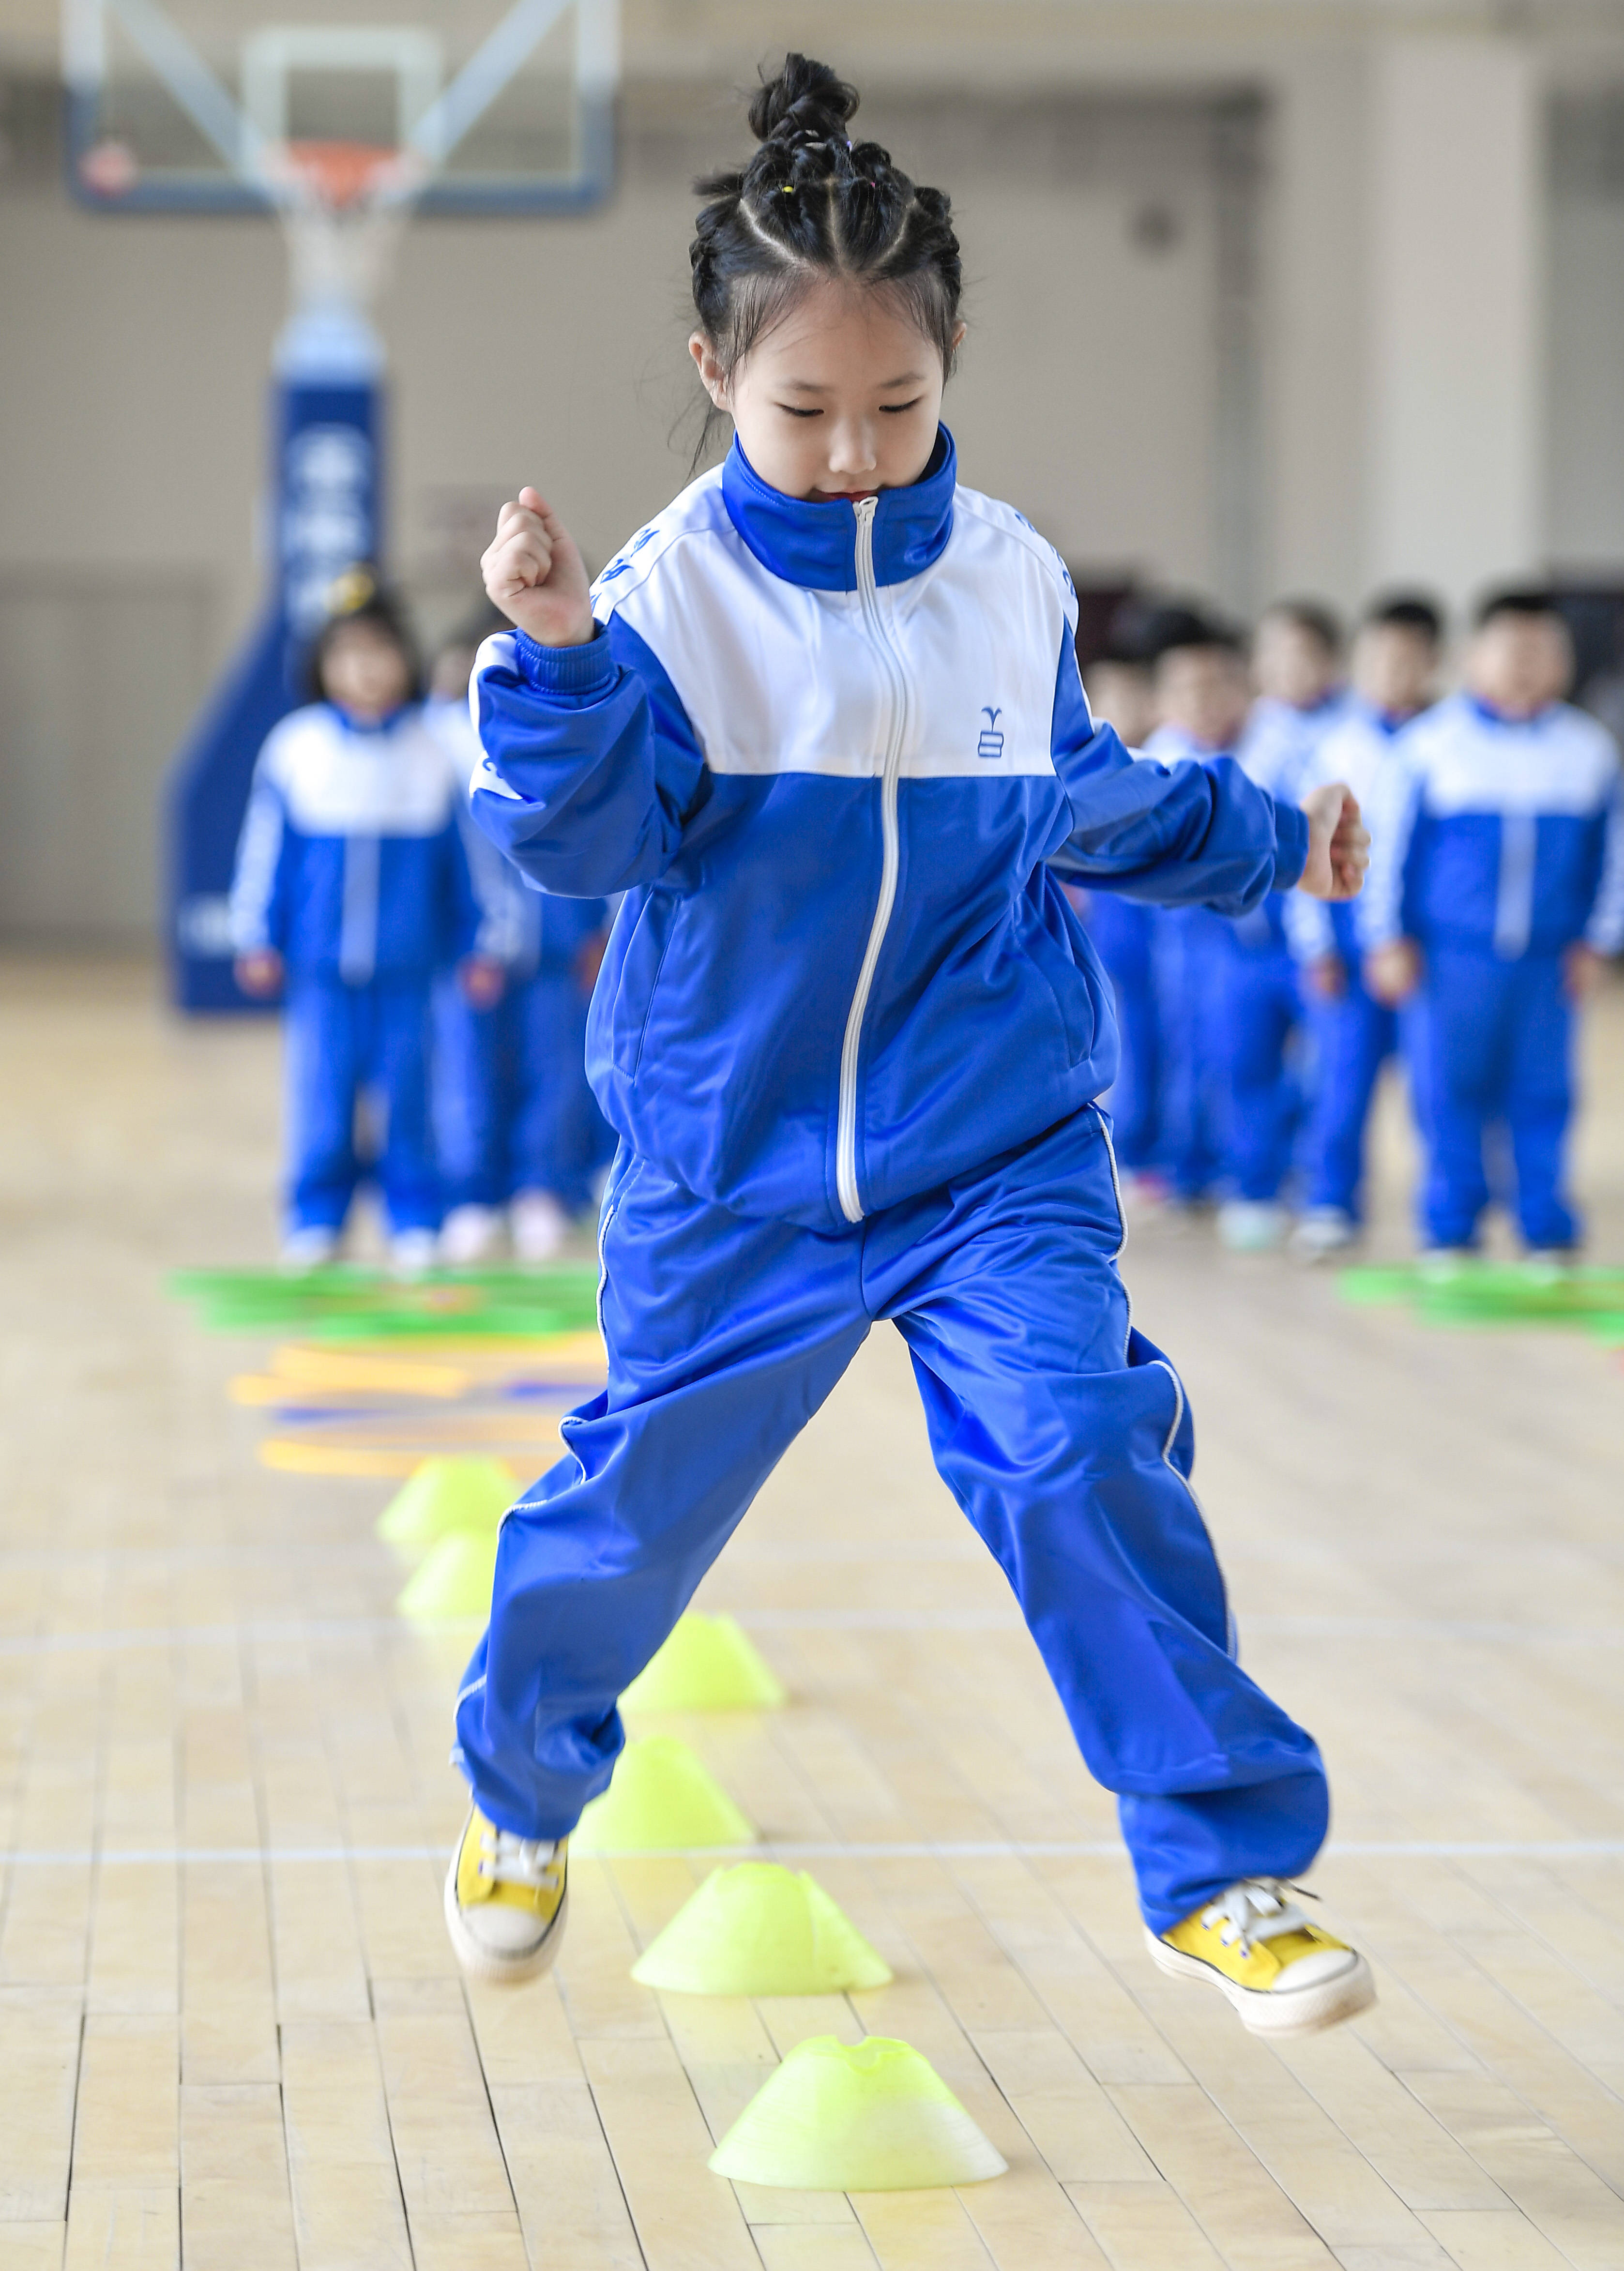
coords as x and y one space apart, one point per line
706 1665
444 1495
872 2116
760 1929
661 1800
453 1583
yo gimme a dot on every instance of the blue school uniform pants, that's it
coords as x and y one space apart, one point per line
1259 1008
1187 943
1498 1037
1353 1038
1064 1436
513 1109
1123 932
343 1042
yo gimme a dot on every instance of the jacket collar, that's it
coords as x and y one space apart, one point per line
815 545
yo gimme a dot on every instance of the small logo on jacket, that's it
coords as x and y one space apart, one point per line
990 743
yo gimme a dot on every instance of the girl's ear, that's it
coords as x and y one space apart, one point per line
958 336
713 377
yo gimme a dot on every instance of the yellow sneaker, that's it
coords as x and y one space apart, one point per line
1283 1974
506 1899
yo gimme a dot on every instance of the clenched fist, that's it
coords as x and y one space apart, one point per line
534 573
1338 843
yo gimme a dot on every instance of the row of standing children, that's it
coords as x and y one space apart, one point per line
435 1007
1252 1048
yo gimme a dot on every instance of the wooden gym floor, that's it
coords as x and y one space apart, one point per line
231 2026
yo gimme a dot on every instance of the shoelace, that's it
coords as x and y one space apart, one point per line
1257 1908
509 1860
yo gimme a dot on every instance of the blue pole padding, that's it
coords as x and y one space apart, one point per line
328 516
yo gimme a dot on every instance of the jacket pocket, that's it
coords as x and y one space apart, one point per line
639 977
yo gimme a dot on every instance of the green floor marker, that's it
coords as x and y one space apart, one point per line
869 2117
663 1799
707 1663
760 1929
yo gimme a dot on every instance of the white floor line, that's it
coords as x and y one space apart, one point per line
877 1621
944 1850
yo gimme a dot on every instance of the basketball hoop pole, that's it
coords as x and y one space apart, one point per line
342 206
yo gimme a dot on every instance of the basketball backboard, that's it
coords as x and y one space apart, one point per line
445 106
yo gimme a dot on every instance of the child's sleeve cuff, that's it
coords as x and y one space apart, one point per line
588 669
1291 844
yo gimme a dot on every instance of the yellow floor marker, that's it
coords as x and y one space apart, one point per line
454 1582
663 1799
760 1929
868 2117
445 1495
708 1664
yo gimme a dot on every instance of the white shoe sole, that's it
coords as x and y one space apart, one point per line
482 1963
1300 2011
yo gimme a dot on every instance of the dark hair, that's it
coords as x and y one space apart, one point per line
1312 617
1521 599
811 204
379 611
1171 630
1406 611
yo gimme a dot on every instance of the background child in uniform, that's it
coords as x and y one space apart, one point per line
1296 653
351 887
1395 671
1120 694
1200 694
1501 889
520 1134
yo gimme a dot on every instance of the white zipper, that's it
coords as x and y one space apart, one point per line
846 1131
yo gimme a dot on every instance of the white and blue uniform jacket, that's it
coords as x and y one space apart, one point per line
1277 751
350 864
1360 750
833 753
1507 837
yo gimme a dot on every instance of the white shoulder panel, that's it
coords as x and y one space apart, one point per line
697 511
337 782
1563 762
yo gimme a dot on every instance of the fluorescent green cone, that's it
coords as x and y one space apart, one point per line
760 1929
661 1800
453 1583
874 2117
706 1665
447 1494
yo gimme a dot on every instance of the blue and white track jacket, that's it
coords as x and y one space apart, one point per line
832 754
1507 835
1277 751
1361 750
350 863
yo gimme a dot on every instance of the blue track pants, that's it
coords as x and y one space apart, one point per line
1498 1039
513 1110
1354 1038
1064 1436
1259 1010
1123 934
1188 944
342 1042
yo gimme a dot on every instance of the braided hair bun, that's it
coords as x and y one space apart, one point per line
809 206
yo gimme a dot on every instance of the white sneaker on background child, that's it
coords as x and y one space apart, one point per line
539 1226
413 1253
1251 1225
471 1234
1323 1232
314 1246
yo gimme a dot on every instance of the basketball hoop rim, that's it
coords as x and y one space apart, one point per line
342 176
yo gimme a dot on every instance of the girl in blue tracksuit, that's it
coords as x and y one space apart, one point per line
351 887
820 721
1499 888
